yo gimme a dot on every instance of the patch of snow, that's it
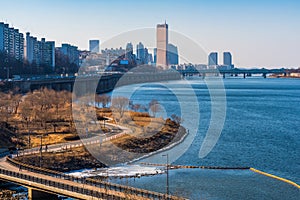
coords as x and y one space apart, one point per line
126 170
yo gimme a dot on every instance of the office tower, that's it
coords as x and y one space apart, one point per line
11 42
129 51
146 56
140 53
39 52
172 54
213 59
94 46
161 45
227 58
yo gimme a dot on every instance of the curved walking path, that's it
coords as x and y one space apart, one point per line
80 142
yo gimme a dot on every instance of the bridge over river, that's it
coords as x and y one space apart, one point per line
233 72
46 184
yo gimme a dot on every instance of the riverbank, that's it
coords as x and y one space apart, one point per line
144 135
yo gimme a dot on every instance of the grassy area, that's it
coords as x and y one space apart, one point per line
148 134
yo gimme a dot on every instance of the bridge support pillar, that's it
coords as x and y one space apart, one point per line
39 195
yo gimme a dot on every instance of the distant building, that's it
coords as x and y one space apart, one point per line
172 54
227 60
129 50
39 52
140 53
94 46
110 55
71 52
213 59
162 45
150 58
154 55
11 41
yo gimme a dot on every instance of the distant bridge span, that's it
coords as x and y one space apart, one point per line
234 71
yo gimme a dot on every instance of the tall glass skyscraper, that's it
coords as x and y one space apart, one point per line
172 54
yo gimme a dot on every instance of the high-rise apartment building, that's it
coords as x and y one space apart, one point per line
162 45
39 52
11 42
71 52
94 46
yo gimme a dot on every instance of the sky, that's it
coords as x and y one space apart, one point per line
258 33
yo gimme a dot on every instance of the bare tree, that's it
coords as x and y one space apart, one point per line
154 107
103 99
6 105
176 118
120 105
26 112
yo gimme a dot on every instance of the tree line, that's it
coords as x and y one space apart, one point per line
38 110
43 111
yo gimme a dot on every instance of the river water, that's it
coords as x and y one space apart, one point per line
261 130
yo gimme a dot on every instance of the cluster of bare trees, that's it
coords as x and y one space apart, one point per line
122 104
44 110
38 110
102 100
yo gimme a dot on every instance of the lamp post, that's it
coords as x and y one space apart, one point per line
29 140
167 184
41 149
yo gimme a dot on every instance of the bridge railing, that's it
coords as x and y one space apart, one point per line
93 182
58 185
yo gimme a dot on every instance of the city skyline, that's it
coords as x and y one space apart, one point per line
260 34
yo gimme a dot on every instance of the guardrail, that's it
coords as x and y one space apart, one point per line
93 182
57 184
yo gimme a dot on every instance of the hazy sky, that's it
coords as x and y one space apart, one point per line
264 33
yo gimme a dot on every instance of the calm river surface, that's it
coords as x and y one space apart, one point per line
261 130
